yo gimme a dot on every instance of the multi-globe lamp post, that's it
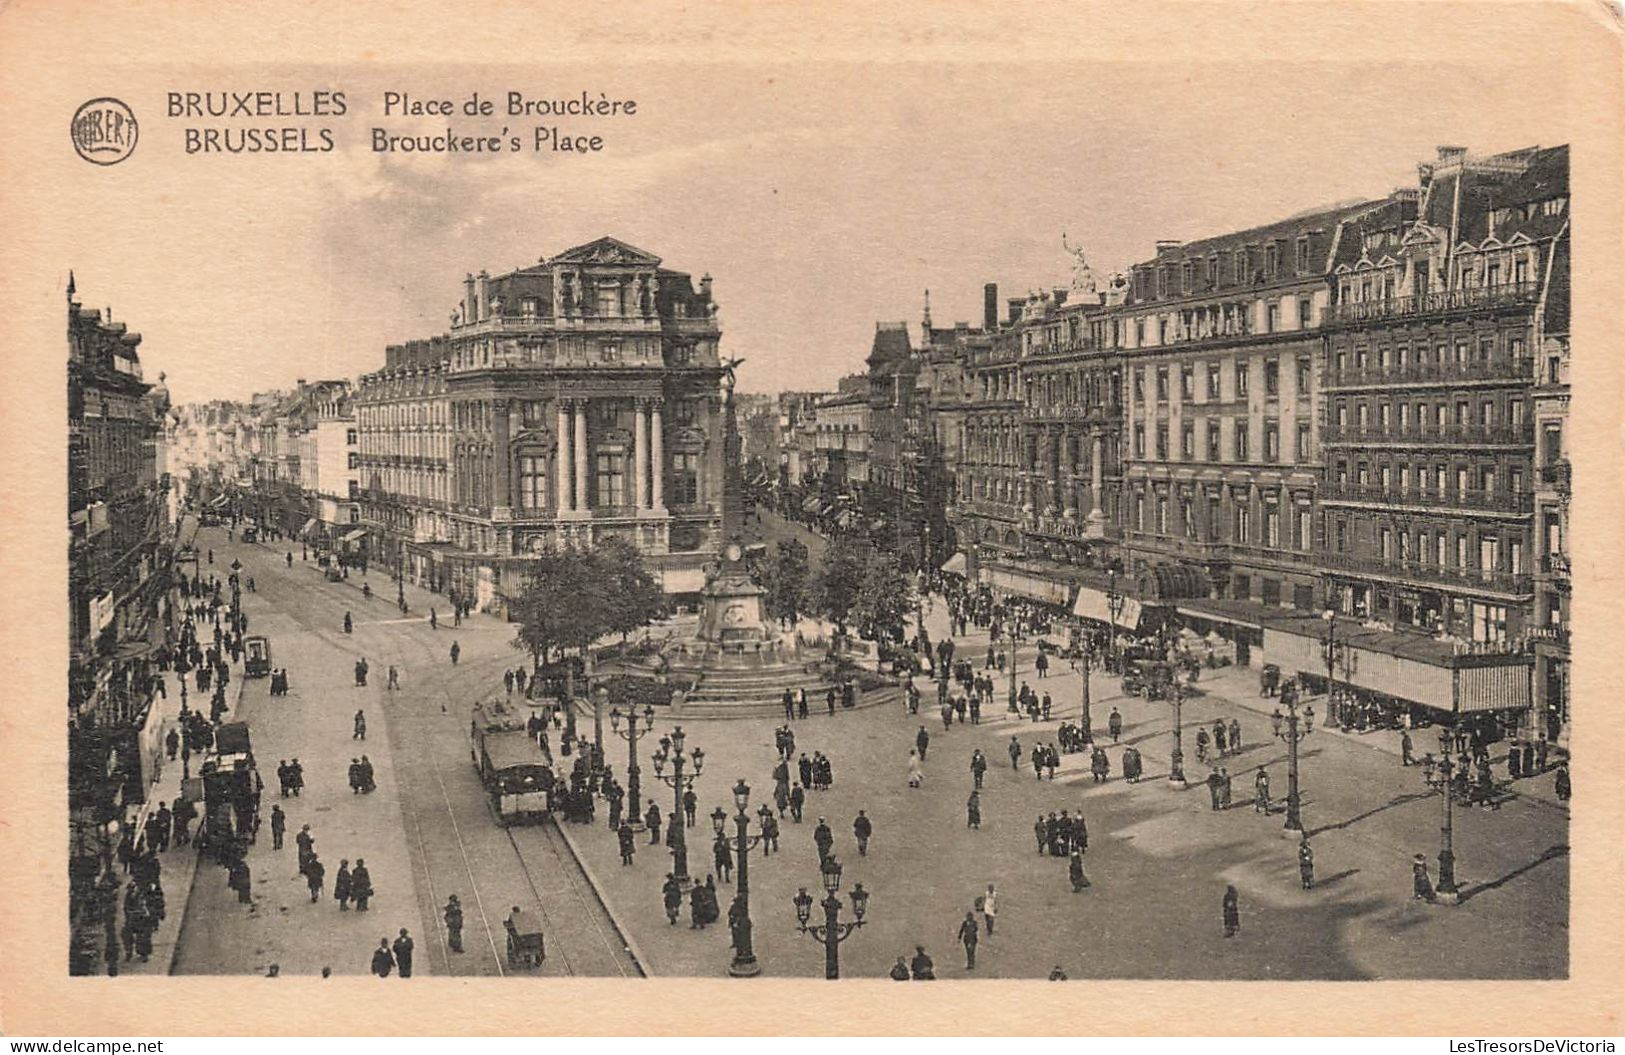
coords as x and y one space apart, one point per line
744 963
632 734
832 931
671 751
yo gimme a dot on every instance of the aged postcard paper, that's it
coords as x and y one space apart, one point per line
552 518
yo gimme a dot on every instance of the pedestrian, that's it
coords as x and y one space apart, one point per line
1561 785
1075 871
434 620
652 818
1275 723
394 682
969 934
315 873
627 843
456 650
1405 758
801 702
382 960
238 879
403 953
341 885
798 799
973 810
723 855
691 806
671 894
1215 787
1235 736
989 903
899 970
823 839
1114 725
360 724
1261 791
453 915
1232 912
922 740
1421 883
862 829
921 967
978 766
360 885
1015 753
1306 862
916 777
770 834
348 624
1224 788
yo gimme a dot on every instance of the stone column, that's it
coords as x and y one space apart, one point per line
581 455
1069 468
657 459
561 464
1097 459
640 455
501 470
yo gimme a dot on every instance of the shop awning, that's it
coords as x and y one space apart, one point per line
1170 582
310 525
1030 586
358 533
219 500
955 565
683 580
1213 616
1095 604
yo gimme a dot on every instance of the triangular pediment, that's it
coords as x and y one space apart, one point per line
606 250
1519 239
1419 234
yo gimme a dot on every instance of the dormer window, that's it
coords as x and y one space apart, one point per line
1272 259
609 352
1303 253
528 307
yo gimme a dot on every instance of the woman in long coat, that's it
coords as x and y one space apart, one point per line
1232 912
1421 884
383 961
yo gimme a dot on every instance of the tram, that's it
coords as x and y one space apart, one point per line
516 773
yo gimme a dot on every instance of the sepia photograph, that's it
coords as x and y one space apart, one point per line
882 509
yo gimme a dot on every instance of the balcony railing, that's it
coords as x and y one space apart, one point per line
1072 412
1520 369
1414 571
1555 564
1430 434
1440 302
1498 501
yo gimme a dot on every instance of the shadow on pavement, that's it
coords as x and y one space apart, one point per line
1398 800
1549 854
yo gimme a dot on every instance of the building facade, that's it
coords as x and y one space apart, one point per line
580 398
1430 456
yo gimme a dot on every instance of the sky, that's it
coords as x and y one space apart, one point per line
822 198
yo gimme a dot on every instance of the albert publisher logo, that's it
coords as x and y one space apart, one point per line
104 131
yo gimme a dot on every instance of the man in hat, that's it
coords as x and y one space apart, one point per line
969 935
403 953
453 914
824 839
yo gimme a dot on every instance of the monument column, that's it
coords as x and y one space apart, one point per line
640 455
561 464
657 459
581 454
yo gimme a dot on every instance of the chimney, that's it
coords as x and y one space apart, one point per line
990 307
482 291
468 298
1015 305
1450 155
1167 245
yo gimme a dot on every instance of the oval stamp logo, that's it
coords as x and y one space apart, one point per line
104 131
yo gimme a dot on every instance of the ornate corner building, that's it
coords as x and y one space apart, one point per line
577 399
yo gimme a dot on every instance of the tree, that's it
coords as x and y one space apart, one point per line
885 597
632 597
786 580
560 606
835 592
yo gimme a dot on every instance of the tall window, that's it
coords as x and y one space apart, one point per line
1306 530
1241 440
1187 382
1213 381
685 478
532 482
1272 317
1303 441
1306 313
1187 441
1272 377
1272 442
1162 384
1241 379
1272 526
1212 441
1244 524
611 478
609 299
1139 441
1162 443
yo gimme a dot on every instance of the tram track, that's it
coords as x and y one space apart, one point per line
582 936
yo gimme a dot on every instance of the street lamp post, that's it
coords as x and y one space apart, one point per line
671 749
1011 637
832 931
634 807
1081 665
1293 734
1176 758
744 963
1114 607
1447 890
